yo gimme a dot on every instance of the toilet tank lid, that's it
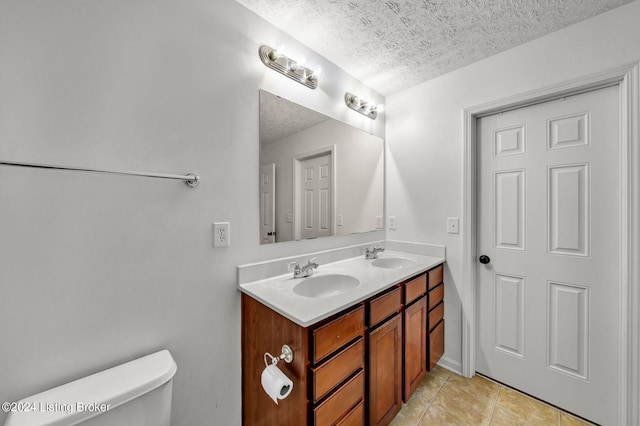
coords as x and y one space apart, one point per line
78 401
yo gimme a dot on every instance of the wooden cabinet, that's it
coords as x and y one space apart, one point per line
327 375
335 334
340 403
354 368
435 317
415 345
385 371
436 344
327 369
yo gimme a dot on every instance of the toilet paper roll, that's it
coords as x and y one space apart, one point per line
275 383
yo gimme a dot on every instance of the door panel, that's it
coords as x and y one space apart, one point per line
316 187
548 219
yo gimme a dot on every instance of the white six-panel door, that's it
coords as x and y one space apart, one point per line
548 201
316 197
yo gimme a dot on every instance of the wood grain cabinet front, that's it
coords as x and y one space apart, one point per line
385 371
384 306
330 337
351 369
331 373
435 317
415 346
340 403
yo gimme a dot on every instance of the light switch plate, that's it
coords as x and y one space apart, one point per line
453 225
339 220
379 222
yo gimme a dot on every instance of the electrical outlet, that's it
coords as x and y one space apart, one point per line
392 222
339 220
379 222
221 236
453 225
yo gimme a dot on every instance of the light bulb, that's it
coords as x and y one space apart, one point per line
316 73
276 53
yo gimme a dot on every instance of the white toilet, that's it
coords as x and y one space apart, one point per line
137 393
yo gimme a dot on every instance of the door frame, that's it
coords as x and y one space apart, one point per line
272 166
297 161
627 78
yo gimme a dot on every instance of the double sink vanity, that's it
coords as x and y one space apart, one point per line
364 331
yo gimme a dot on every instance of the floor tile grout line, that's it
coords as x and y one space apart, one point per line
495 403
543 402
501 389
433 399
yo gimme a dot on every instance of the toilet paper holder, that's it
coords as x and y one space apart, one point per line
286 355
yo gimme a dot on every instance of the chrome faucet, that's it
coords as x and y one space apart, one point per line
372 253
303 271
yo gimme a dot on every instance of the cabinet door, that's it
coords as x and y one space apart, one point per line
385 371
415 346
436 344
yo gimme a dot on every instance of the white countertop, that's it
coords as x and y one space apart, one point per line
277 292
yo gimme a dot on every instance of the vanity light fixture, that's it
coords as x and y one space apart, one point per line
295 70
362 106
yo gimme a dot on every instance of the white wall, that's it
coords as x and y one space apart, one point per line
96 270
359 174
425 124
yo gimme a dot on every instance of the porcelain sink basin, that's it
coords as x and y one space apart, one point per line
326 285
393 262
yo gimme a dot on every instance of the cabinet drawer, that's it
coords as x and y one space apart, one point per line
385 305
415 288
436 344
435 276
355 417
435 296
435 315
330 374
341 402
337 333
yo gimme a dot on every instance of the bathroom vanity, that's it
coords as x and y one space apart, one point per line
357 354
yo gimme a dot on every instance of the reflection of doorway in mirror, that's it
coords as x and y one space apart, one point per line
267 203
314 200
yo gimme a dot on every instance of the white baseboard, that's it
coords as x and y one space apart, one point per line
451 365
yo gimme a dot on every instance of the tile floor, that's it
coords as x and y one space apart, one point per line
445 398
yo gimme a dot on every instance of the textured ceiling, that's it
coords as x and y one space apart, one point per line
280 118
394 44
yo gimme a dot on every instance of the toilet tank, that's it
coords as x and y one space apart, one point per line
137 393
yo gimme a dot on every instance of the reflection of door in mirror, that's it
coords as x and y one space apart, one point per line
315 198
267 203
291 134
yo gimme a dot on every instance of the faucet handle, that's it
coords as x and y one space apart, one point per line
311 260
292 266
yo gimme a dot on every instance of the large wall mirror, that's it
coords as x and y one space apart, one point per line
319 177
